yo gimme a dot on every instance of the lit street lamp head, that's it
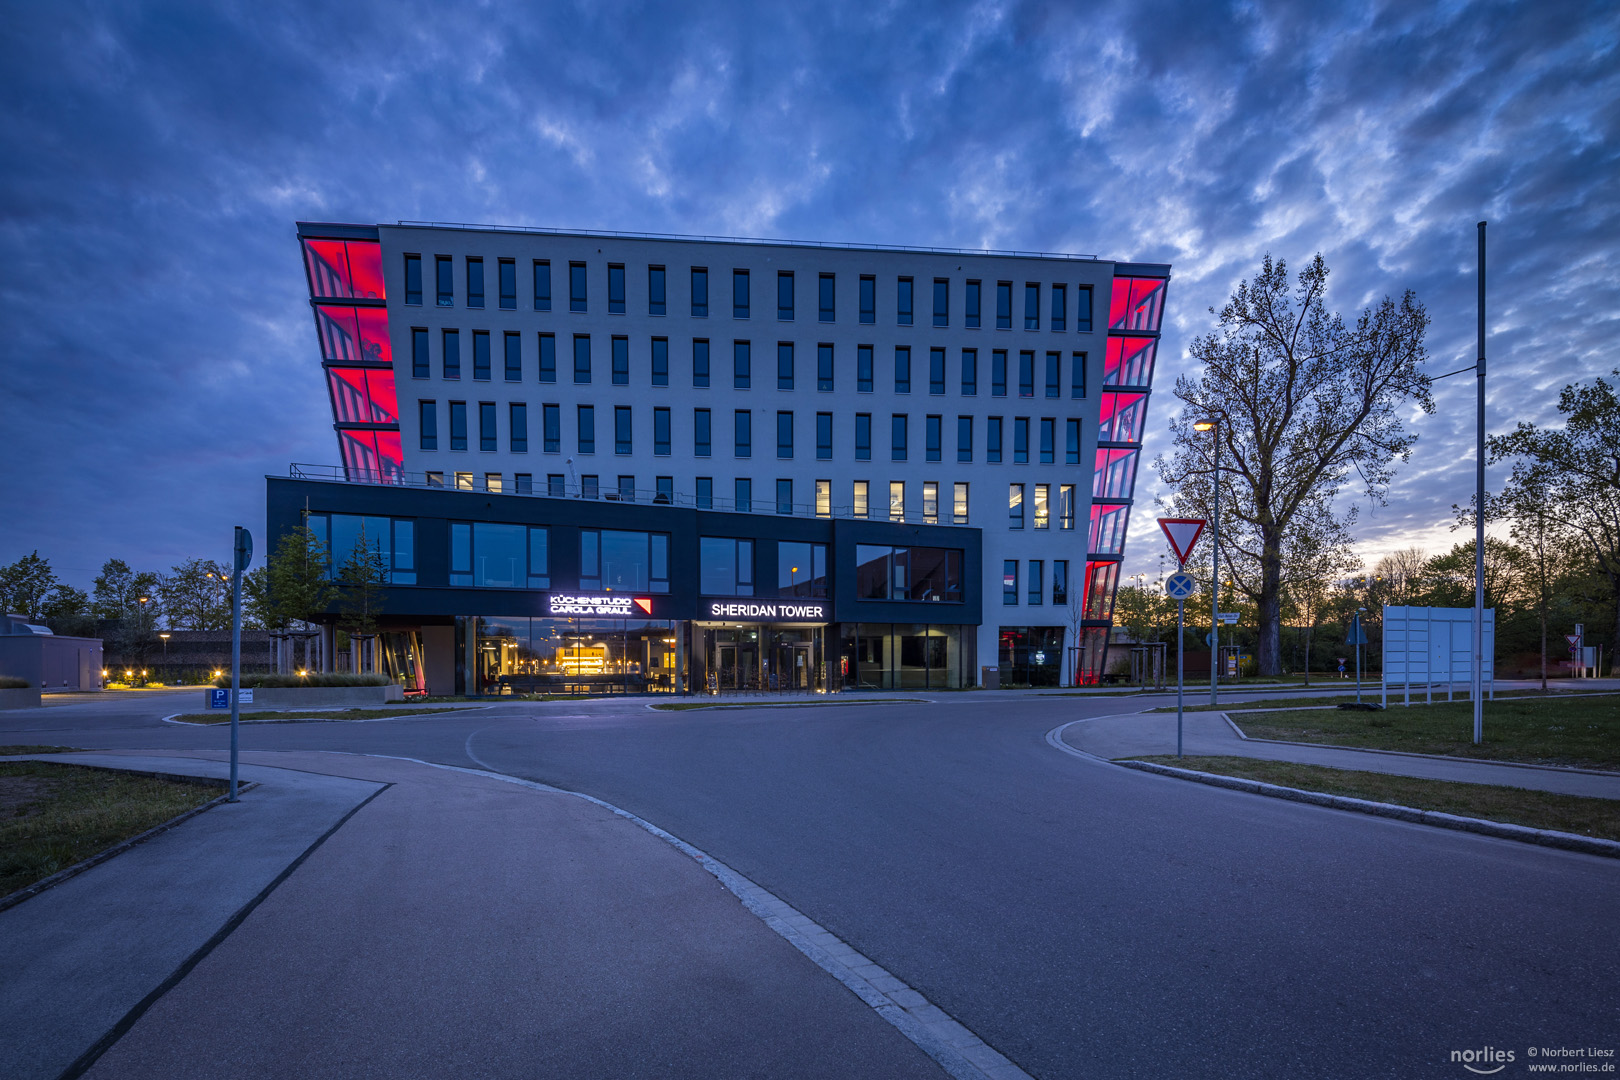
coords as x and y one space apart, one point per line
1205 425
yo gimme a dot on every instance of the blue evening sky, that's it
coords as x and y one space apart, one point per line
159 357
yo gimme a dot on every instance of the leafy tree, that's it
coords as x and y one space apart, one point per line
256 603
118 591
197 595
67 611
25 584
362 577
294 586
1302 401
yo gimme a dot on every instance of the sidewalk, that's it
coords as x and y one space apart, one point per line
1208 733
453 925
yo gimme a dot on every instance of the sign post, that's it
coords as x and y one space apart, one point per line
1182 534
243 555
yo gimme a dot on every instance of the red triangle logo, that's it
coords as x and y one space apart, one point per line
1182 533
644 603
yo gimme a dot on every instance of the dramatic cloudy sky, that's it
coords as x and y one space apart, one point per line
158 357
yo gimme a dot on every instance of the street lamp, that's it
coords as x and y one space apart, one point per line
1212 425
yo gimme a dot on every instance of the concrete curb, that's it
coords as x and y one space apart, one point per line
1590 845
1427 757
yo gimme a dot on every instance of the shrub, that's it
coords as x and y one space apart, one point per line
11 682
314 678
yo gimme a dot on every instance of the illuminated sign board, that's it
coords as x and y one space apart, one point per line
605 605
765 610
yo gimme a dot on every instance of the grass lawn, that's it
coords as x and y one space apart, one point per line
1553 730
223 716
683 706
1515 806
1306 702
52 815
6 751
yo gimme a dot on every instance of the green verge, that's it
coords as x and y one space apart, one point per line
685 706
1514 806
1556 730
7 751
1367 696
54 815
313 716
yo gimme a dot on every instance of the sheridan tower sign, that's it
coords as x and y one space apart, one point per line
765 610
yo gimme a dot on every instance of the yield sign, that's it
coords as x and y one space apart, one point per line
1183 534
1573 639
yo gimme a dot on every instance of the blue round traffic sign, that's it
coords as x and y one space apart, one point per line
1179 586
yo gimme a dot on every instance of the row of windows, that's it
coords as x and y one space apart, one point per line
1036 582
1044 429
1050 300
1028 373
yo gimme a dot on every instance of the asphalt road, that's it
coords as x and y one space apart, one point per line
1085 920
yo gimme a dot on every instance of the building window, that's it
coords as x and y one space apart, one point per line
700 292
741 365
419 353
1077 377
514 357
824 367
621 429
1048 437
481 355
517 428
784 496
1071 450
615 289
784 365
589 486
824 436
1060 581
784 295
863 369
801 569
587 429
664 489
445 273
863 436
933 438
860 505
623 561
627 489
992 439
1043 509
1026 374
897 500
582 358
970 372
576 286
554 485
784 434
523 483
492 482
897 442
930 502
1036 584
739 294
392 540
542 285
1032 306
458 425
936 371
661 439
1066 506
828 293
464 481
413 279
551 428
548 358
621 361
1015 506
702 433
823 498
970 314
1009 582
964 438
742 431
959 511
660 361
743 495
655 290
1003 305
868 298
427 424
903 302
927 574
1060 303
1021 440
475 282
1054 375
486 427
508 283
435 479
1082 314
700 362
998 373
705 493
902 370
725 566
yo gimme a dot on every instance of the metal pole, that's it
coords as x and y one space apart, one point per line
1479 512
236 654
1215 579
1356 624
1181 647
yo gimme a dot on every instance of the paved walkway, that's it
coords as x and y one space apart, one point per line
1204 733
450 925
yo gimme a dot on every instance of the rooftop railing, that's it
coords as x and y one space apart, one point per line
474 483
